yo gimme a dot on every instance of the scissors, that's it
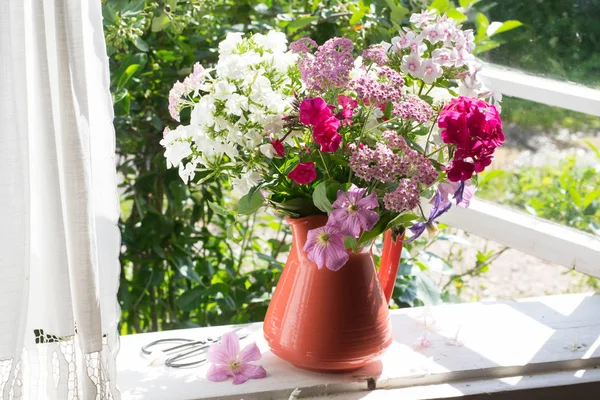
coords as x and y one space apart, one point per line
183 350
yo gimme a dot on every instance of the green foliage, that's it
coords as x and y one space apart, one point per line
566 194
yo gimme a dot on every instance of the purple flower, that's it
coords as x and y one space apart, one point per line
331 65
325 247
439 207
353 212
228 361
462 192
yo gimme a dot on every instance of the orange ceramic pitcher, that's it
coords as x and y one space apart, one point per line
329 321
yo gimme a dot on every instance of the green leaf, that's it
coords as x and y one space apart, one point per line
594 148
484 46
218 209
488 176
134 7
127 74
427 289
139 58
467 3
358 12
351 243
366 238
188 272
250 203
301 23
141 45
456 15
440 5
397 11
168 55
190 299
590 197
576 196
503 27
230 234
402 220
119 95
320 198
481 24
160 22
172 4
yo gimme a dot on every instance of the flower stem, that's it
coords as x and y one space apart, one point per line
324 165
433 152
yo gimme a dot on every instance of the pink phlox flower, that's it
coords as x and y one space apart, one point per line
413 107
303 45
428 320
404 198
329 67
462 192
353 211
175 94
325 134
423 341
375 53
325 247
455 341
313 111
229 362
348 105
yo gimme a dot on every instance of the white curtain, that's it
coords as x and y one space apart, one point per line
59 241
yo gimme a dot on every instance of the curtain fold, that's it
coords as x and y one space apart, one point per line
59 241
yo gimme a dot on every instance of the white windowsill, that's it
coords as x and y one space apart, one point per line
512 345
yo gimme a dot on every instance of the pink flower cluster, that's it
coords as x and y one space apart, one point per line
317 113
379 90
404 198
329 67
413 107
386 165
376 53
191 83
475 128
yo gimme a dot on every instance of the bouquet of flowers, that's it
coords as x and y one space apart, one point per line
315 129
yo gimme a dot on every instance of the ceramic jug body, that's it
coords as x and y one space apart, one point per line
324 320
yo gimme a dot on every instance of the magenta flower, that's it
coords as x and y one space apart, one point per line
314 111
353 212
461 191
325 134
228 361
304 173
348 105
325 247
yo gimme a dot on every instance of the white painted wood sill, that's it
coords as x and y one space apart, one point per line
502 346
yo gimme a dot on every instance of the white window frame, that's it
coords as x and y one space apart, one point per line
541 238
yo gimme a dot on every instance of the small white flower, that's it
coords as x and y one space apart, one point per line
236 104
260 87
404 41
203 112
267 150
274 41
444 57
177 151
424 18
431 71
434 33
187 171
247 181
411 64
230 42
224 89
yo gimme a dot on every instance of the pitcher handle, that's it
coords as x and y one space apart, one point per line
390 261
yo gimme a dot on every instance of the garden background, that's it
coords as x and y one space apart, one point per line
188 261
